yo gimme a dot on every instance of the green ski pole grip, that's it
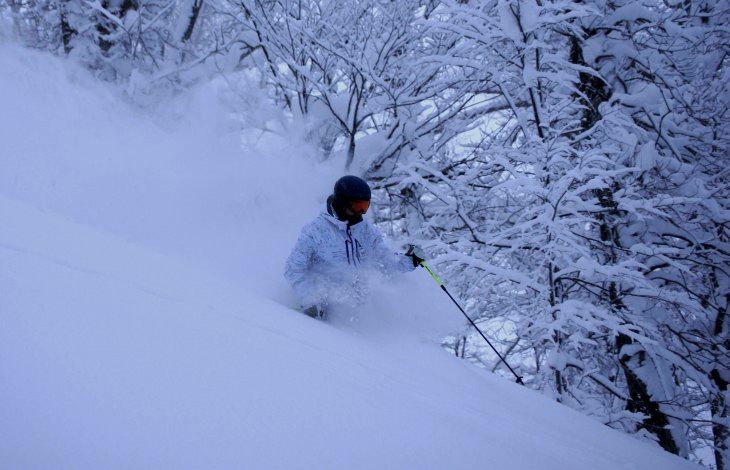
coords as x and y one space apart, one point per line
433 274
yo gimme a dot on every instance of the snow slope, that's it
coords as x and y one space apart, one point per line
143 320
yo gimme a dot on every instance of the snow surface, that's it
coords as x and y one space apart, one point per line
144 319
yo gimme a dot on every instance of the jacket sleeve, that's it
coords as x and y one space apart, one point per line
298 269
387 258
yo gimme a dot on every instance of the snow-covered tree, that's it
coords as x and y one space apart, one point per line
114 38
346 67
565 214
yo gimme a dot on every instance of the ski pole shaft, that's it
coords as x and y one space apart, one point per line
443 287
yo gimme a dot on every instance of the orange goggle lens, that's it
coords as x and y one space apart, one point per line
360 207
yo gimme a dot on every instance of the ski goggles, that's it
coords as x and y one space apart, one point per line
359 207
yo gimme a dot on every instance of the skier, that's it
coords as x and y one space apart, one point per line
338 245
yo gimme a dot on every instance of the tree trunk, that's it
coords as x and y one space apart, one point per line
718 403
593 92
350 152
719 409
641 400
105 27
193 15
67 32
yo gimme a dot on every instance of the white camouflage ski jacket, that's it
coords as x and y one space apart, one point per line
330 256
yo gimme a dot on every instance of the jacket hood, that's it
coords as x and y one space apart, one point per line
332 211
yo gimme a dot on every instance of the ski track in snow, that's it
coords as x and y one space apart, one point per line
118 351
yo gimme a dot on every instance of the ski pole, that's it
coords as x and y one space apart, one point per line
443 287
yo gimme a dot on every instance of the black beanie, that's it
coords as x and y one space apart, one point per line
347 189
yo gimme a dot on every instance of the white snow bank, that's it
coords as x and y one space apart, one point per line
114 356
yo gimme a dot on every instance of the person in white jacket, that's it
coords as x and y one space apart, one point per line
334 250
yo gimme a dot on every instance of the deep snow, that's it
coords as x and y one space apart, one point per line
144 319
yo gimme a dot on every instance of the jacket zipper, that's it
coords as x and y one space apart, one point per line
352 247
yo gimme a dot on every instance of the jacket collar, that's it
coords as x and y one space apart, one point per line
340 224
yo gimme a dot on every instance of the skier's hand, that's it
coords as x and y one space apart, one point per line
315 311
416 254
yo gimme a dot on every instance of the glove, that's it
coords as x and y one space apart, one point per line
315 311
416 254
